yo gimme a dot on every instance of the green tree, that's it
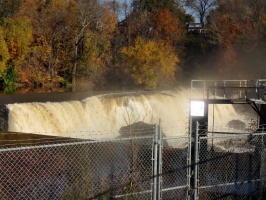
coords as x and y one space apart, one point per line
9 75
149 62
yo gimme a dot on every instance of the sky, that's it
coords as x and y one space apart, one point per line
121 14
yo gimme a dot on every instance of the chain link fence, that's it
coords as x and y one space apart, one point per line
120 168
231 166
141 164
175 168
78 170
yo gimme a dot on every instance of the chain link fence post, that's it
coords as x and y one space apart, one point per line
262 165
160 146
189 168
196 157
154 164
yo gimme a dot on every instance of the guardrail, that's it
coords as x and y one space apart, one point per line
228 89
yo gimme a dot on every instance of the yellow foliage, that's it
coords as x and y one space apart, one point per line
264 19
18 36
59 4
4 55
149 61
108 21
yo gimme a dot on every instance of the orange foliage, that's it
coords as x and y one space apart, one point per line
28 9
167 27
109 21
228 30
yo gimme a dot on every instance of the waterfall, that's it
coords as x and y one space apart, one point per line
232 118
103 115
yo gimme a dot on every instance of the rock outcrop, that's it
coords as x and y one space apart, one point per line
3 118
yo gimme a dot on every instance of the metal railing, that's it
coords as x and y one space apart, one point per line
228 89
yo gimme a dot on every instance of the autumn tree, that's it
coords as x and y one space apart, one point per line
92 29
53 22
96 55
71 38
237 28
4 55
8 8
246 15
112 5
149 62
153 19
151 6
18 35
167 27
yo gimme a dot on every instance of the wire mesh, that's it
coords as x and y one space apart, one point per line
230 166
174 168
78 170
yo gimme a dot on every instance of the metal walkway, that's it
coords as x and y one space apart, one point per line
229 91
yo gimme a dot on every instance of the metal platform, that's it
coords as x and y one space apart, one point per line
229 91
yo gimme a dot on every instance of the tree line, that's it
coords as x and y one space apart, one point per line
142 43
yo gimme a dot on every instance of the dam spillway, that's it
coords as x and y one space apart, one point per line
100 116
101 113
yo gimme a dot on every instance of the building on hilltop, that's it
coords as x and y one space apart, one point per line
193 27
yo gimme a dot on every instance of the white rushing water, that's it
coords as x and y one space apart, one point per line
102 116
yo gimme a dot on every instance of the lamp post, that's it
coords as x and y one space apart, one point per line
198 126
